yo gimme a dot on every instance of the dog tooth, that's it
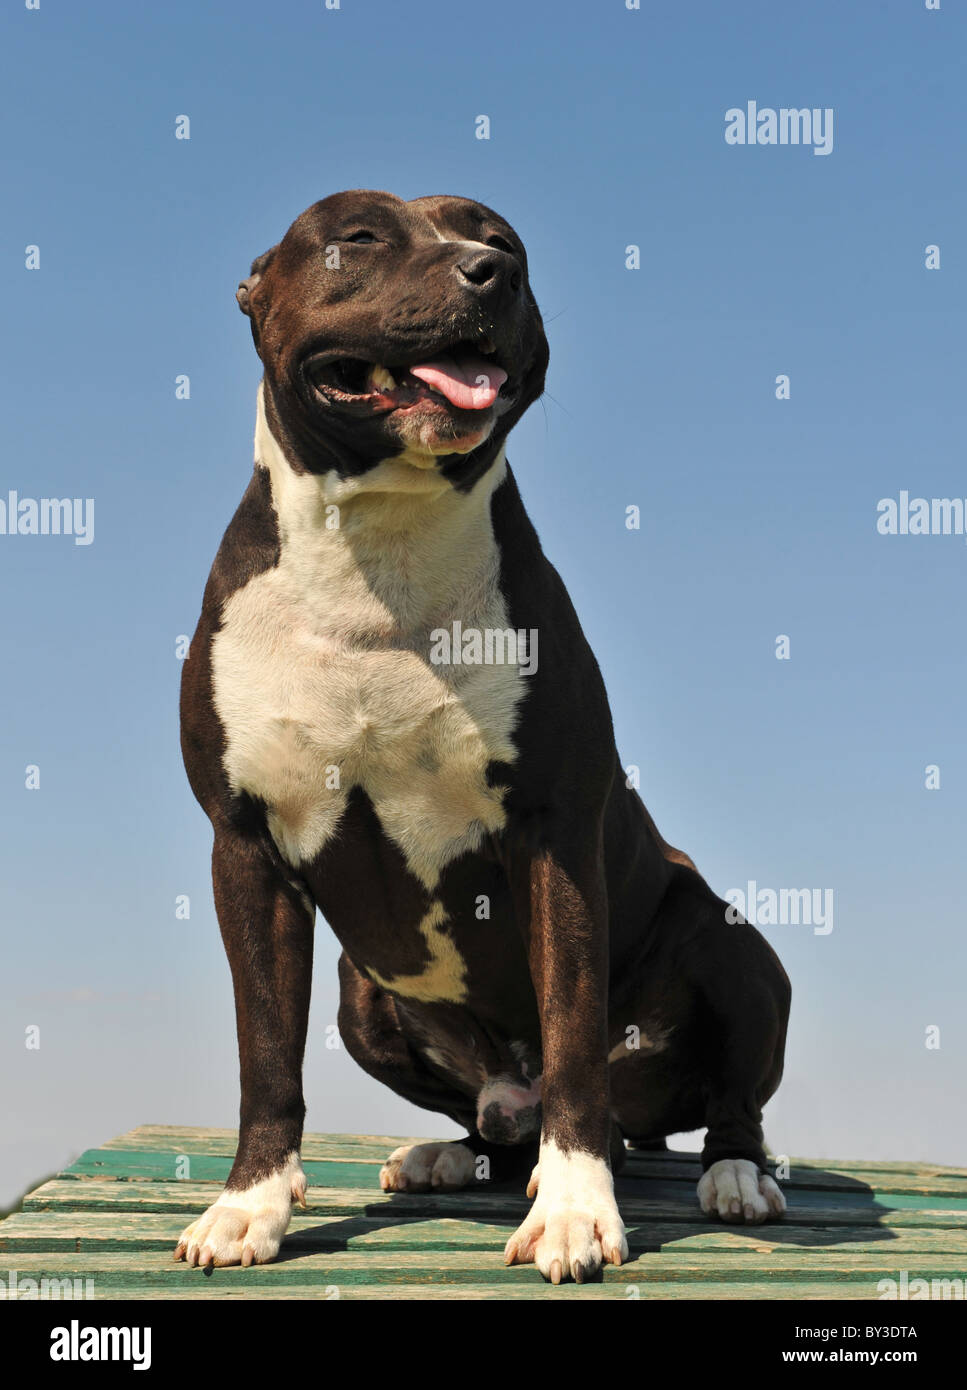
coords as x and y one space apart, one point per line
382 379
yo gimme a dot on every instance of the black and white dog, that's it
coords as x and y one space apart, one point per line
371 735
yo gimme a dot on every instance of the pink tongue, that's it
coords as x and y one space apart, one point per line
470 384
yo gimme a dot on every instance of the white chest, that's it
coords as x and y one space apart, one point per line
324 679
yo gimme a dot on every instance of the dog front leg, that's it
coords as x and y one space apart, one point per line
574 1225
267 928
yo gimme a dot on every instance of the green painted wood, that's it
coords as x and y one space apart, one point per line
43 1232
353 1267
114 1216
192 1198
127 1165
375 1148
653 1291
143 1166
397 1293
370 1148
824 1179
836 1165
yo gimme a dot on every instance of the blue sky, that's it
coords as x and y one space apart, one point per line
757 515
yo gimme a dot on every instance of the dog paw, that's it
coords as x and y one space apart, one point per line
736 1189
246 1225
574 1226
445 1167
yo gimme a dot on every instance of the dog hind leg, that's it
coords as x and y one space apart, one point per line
370 1028
726 1029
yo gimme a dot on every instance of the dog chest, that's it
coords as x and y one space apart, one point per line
326 677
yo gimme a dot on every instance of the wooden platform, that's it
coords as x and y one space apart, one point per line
113 1218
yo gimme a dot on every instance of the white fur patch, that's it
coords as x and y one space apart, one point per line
323 680
736 1189
574 1225
419 1167
245 1226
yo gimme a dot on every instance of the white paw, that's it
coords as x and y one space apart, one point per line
574 1225
245 1226
418 1167
736 1189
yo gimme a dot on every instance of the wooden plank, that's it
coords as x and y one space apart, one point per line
829 1178
188 1198
112 1168
362 1148
178 1138
46 1232
836 1165
347 1268
145 1166
127 1165
400 1293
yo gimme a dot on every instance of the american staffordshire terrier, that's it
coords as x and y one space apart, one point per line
390 713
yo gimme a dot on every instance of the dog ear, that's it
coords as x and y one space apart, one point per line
244 291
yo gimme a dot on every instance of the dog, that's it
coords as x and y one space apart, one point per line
390 713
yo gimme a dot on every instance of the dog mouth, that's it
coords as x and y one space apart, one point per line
466 376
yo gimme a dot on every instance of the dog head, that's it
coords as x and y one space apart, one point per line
393 329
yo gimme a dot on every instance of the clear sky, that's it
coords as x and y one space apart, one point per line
758 515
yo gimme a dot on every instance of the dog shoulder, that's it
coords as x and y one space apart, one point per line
249 547
251 542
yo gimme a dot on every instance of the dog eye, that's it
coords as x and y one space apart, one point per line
500 243
361 238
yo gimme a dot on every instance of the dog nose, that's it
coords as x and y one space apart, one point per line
489 270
